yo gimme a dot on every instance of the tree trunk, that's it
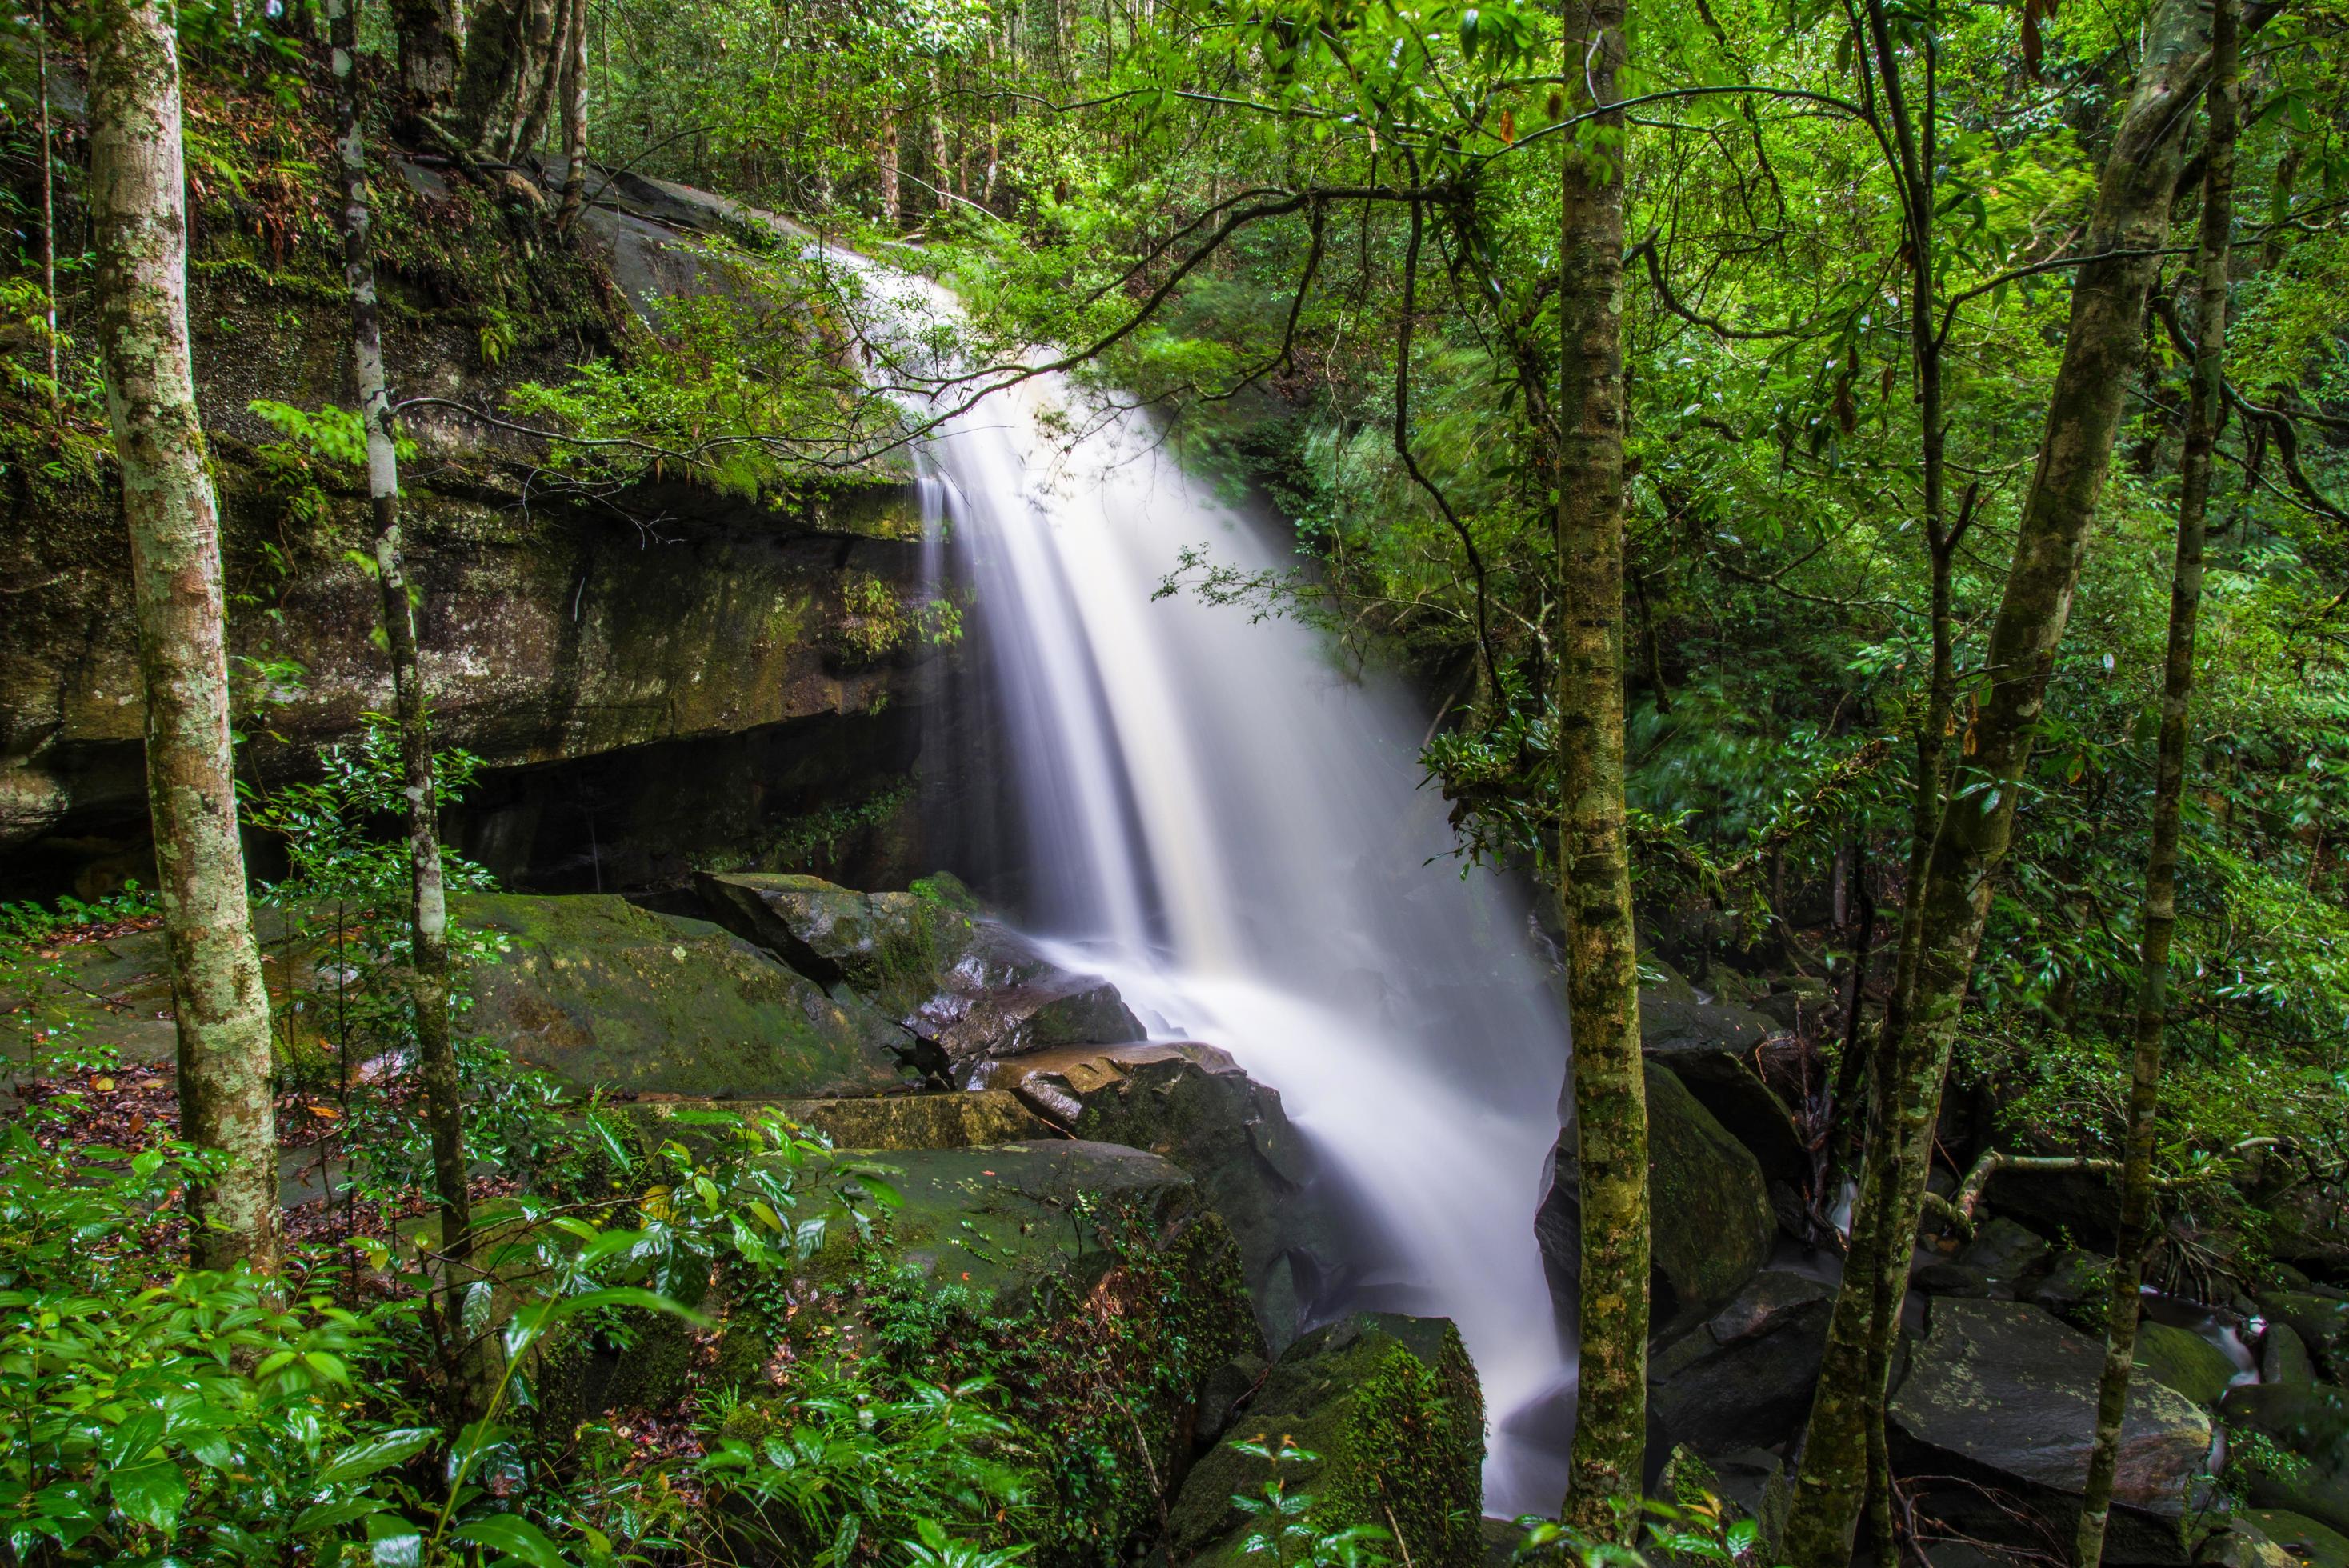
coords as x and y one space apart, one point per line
2205 406
1603 985
549 57
939 174
429 47
889 183
574 117
427 906
2108 301
137 210
506 56
48 205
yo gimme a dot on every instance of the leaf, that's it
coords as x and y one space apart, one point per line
127 1444
517 1537
151 1494
393 1542
363 1460
324 1516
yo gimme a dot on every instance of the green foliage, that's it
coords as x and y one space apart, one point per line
1284 1527
36 974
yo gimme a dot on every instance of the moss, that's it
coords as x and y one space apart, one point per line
1407 1406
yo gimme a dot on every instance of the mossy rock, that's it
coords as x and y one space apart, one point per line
1193 1104
884 943
2320 1318
2182 1359
1710 1223
1391 1407
600 993
2305 1429
2302 1539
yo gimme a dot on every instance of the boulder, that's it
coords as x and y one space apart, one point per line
2302 1539
2003 1393
2182 1359
2285 1357
2310 1424
1191 1104
2320 1319
2076 1286
2005 1254
1744 1377
1708 1042
951 1119
1709 1212
601 994
970 988
1091 1284
1390 1406
2238 1542
2084 1205
2308 1228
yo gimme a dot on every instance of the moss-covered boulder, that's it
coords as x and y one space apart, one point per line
1391 1407
602 994
1193 1104
1090 1282
2302 1539
1708 1042
2292 1448
2182 1359
1711 1227
2004 1394
2320 1318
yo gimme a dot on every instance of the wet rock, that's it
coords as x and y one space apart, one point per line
970 988
1191 1104
1708 1041
1744 1377
2076 1286
2302 1539
1390 1406
2084 1205
2005 1254
602 994
2308 1228
2320 1318
2309 1423
952 1118
1946 1276
2182 1359
2239 1541
2285 1357
2003 1392
1711 1224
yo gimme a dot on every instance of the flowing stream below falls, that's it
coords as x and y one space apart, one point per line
1226 820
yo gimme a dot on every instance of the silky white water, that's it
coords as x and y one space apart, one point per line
1229 822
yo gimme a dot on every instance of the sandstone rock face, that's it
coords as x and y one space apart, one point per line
1391 1407
1711 1226
2004 1392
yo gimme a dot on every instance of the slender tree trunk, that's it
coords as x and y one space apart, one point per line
549 57
428 905
1610 1100
574 117
939 173
2109 300
2204 409
48 203
429 49
889 183
137 209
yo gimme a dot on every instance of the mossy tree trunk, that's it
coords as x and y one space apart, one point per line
1603 984
2205 407
427 903
2101 352
575 115
139 216
509 59
429 46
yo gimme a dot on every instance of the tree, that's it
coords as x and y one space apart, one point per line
1611 1102
138 213
2102 349
428 905
429 38
2205 407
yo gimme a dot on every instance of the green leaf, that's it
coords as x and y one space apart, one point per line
363 1460
151 1494
393 1542
518 1538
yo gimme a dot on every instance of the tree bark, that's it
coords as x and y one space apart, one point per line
429 49
1610 1100
574 118
137 209
48 204
507 56
889 183
2205 407
940 175
2109 300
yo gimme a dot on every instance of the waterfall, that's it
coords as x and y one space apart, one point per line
1225 818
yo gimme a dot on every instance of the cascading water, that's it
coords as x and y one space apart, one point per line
1227 823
